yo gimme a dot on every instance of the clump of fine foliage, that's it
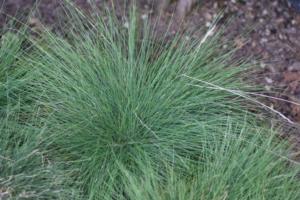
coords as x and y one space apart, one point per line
233 169
117 115
25 172
9 52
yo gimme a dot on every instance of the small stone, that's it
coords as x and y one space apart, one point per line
208 24
239 42
265 12
275 4
253 44
264 40
263 65
261 20
187 38
282 37
280 20
208 16
269 80
295 66
215 5
268 88
126 25
144 16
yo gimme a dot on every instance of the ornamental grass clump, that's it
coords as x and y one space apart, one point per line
9 52
122 115
25 171
235 168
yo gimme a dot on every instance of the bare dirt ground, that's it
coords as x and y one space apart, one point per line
273 37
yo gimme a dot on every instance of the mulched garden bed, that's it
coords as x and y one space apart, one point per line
274 38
